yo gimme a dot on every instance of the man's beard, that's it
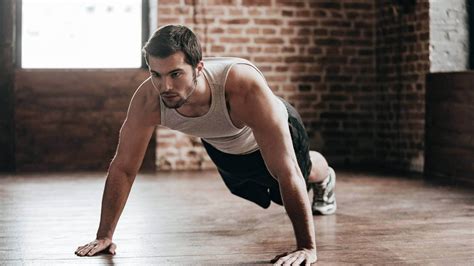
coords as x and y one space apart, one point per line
182 101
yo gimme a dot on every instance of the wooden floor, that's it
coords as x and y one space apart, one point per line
191 218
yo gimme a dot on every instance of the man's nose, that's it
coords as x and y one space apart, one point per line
167 84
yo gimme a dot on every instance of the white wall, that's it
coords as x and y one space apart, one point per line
449 35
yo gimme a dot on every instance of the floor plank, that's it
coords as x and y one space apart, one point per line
191 218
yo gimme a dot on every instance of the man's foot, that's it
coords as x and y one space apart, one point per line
324 197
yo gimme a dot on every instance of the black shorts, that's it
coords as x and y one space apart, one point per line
247 175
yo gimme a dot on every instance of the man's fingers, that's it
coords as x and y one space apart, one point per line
94 250
96 246
278 256
112 248
85 250
293 258
289 260
300 259
282 260
80 249
88 249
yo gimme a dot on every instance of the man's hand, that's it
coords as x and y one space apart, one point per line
296 257
96 246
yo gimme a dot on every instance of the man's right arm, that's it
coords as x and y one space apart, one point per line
135 134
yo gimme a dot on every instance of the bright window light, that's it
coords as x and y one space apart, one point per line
81 34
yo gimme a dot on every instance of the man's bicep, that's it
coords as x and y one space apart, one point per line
256 106
142 116
133 142
136 132
276 147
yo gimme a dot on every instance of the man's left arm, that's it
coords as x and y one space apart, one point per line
254 104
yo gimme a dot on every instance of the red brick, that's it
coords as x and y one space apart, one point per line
326 5
236 50
235 21
255 12
269 40
300 41
268 21
202 20
239 40
217 49
287 13
303 13
288 49
281 68
256 2
169 2
268 31
165 10
287 31
254 49
220 2
168 20
268 59
272 49
252 31
217 30
235 31
303 23
237 12
294 3
213 11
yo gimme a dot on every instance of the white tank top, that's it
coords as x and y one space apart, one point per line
216 127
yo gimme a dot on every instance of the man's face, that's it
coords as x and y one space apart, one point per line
173 78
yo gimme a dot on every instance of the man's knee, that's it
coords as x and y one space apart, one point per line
317 158
319 167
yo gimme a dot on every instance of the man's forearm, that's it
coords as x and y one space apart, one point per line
297 205
116 191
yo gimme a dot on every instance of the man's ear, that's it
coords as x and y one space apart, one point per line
199 68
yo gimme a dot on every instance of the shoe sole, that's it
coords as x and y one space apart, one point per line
327 211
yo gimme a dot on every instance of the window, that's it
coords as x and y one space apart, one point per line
82 33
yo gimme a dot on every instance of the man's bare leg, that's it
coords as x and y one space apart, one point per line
322 180
319 170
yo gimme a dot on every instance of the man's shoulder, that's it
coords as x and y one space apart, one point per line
146 102
243 77
146 88
220 60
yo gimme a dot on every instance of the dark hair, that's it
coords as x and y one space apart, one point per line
170 39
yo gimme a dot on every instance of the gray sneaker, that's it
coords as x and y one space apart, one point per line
324 197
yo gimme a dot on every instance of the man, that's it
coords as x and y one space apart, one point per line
256 139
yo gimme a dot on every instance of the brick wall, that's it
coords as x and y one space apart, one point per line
319 55
402 64
54 120
70 119
359 89
449 35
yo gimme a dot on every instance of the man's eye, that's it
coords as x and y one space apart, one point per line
175 75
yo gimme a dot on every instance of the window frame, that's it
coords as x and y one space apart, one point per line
18 38
470 14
